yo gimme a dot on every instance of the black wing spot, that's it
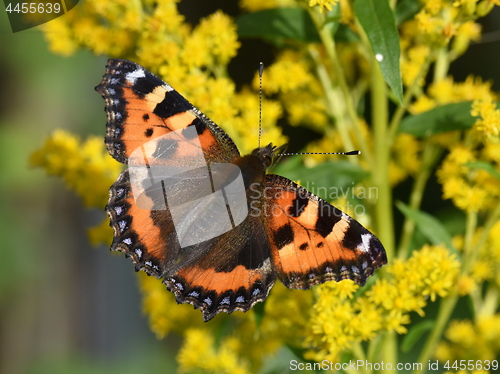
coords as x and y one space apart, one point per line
283 236
352 237
304 246
148 132
145 117
320 244
327 219
298 205
145 85
200 126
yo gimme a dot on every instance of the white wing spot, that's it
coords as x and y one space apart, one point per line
194 294
208 301
225 300
256 292
365 245
138 252
379 57
240 299
134 75
127 241
122 225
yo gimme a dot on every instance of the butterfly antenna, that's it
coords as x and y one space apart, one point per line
350 153
261 71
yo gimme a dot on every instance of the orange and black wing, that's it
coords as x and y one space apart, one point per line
141 107
312 241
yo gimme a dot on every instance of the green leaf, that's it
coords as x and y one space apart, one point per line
429 226
377 20
328 180
278 25
405 10
441 119
345 34
484 166
415 334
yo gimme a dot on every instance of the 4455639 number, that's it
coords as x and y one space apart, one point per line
471 365
34 8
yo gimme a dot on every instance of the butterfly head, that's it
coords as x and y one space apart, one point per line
266 154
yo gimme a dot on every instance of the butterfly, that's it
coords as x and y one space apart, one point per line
208 222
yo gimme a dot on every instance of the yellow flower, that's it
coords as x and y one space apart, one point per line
395 322
100 234
85 167
406 152
481 271
465 285
164 314
412 63
489 123
219 34
288 73
323 4
461 332
466 32
59 36
198 354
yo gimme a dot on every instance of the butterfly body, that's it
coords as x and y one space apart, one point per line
267 226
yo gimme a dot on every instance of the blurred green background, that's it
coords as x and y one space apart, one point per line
67 307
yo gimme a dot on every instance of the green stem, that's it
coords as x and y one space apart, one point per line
470 251
490 303
448 303
334 106
390 350
445 309
442 64
380 175
407 97
359 354
328 42
430 155
492 219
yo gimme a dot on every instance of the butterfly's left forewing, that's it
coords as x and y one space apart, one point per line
141 108
313 242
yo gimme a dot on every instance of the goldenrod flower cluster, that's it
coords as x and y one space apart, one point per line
324 86
85 167
340 319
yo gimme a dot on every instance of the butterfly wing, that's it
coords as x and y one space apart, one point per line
141 107
167 144
313 242
230 272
